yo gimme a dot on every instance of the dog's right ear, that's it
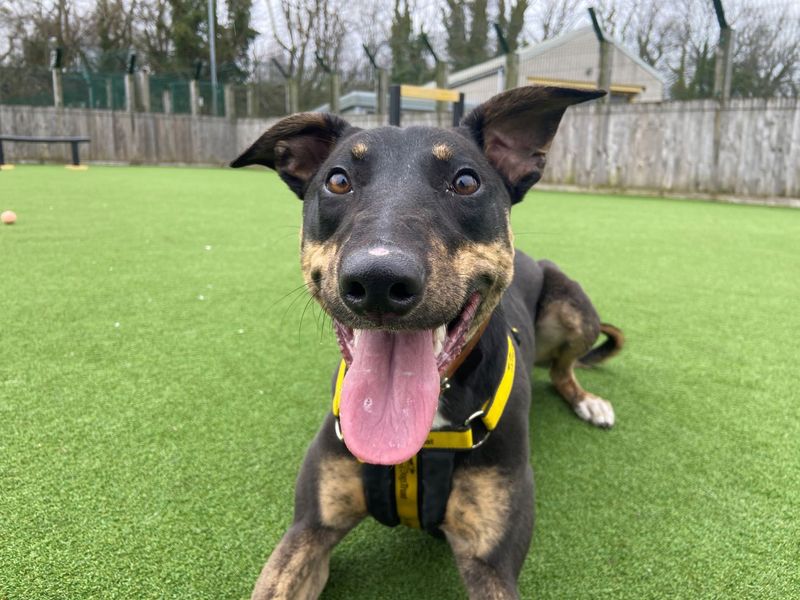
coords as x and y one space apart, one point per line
296 147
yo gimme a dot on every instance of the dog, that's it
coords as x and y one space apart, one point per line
406 244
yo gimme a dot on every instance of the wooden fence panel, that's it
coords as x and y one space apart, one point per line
749 148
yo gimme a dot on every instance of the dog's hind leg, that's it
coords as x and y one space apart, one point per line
567 327
329 503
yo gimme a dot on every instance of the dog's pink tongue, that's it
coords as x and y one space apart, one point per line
389 396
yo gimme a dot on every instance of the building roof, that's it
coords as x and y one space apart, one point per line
527 52
364 101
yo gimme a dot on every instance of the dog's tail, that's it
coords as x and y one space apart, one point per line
611 346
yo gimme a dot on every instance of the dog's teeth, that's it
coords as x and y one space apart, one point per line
439 335
356 335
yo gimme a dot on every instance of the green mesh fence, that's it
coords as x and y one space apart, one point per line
207 99
30 87
94 90
176 91
34 87
240 100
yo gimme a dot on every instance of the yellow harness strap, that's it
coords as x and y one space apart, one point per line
406 475
406 485
457 438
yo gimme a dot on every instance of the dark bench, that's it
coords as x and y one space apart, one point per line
73 141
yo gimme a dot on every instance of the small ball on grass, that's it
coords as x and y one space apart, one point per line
8 217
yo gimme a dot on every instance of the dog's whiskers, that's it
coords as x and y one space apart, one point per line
297 293
311 299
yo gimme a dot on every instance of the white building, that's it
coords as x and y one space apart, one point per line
571 59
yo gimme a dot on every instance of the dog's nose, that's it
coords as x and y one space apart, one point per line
381 281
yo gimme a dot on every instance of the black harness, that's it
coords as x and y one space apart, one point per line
415 492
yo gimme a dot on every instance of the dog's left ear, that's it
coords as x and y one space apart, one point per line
515 129
296 147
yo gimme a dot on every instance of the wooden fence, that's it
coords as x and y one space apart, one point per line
749 148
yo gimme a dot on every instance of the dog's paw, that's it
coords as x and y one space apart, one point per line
596 411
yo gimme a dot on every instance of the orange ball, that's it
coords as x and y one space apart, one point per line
8 217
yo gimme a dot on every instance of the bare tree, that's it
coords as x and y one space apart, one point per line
153 36
304 29
511 19
29 25
551 18
112 30
766 59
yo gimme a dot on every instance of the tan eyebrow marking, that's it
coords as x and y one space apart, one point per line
442 151
359 151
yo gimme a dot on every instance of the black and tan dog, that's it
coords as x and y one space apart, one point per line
406 244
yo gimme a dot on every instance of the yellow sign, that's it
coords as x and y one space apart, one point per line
415 91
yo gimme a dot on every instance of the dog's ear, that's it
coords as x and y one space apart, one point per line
515 129
296 147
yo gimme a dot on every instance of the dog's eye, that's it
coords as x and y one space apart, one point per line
465 183
338 183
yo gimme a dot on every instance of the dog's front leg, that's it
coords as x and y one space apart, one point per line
488 523
298 567
329 502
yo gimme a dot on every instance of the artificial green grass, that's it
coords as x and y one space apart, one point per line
158 388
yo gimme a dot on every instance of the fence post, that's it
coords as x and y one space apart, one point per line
292 96
394 105
251 101
383 90
291 89
55 66
130 89
512 70
144 90
606 62
230 100
130 93
109 94
381 82
510 75
723 73
166 101
58 89
606 56
441 83
441 79
334 101
458 110
194 97
723 63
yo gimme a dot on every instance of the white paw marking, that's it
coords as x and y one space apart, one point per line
595 411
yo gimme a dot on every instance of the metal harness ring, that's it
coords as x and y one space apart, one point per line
478 414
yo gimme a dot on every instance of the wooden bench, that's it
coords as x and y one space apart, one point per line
72 140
